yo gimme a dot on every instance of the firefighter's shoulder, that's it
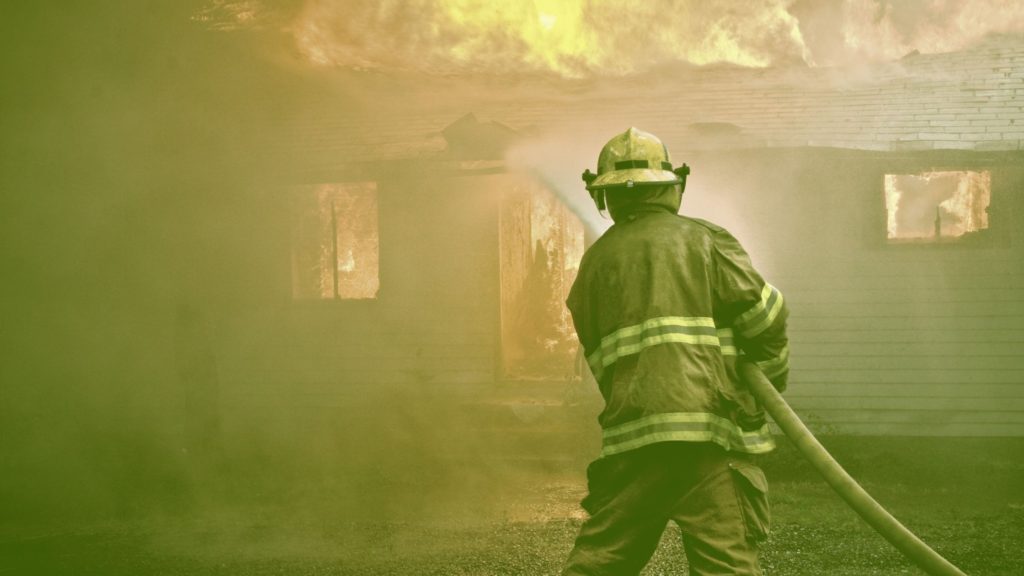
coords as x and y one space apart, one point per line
710 226
714 234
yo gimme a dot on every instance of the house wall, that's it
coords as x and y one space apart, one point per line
885 339
433 322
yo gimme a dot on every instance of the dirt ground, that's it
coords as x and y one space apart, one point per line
965 497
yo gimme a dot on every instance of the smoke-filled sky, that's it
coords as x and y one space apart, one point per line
579 38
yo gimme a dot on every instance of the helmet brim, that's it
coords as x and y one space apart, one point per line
638 177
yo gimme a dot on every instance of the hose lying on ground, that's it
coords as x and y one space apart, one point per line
848 488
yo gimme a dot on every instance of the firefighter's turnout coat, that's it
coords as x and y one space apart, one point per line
665 306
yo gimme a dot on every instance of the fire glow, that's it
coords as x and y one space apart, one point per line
572 38
541 246
582 38
335 253
936 205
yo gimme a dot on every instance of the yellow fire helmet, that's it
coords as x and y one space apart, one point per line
634 158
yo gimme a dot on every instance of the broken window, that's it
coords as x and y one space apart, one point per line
936 206
541 247
335 248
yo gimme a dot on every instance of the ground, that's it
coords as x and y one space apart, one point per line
965 497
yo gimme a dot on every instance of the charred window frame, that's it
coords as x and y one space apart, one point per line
335 252
944 206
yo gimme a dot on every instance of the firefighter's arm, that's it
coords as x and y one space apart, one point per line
575 303
754 309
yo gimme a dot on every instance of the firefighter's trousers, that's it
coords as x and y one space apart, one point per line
718 499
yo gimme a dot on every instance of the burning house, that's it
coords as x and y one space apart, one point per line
881 200
301 241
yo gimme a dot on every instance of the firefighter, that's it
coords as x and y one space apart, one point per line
664 307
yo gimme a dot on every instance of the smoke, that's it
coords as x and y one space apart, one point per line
843 32
239 15
144 242
558 163
583 38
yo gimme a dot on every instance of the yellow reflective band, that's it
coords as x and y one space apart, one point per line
775 366
631 340
758 308
725 340
658 419
684 321
630 349
761 315
686 427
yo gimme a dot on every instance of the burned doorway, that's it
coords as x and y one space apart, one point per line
541 244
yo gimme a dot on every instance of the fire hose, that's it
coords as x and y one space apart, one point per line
849 490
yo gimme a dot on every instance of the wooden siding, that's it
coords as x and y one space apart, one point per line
888 339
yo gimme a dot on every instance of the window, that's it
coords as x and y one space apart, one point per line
541 246
936 206
335 248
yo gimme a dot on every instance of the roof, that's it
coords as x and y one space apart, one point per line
967 100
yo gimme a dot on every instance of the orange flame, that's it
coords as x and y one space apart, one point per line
576 38
572 38
954 203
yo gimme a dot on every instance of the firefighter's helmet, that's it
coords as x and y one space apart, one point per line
634 158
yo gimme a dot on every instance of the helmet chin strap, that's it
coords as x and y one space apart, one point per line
600 199
598 196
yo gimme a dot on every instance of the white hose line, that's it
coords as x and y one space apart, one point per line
871 511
